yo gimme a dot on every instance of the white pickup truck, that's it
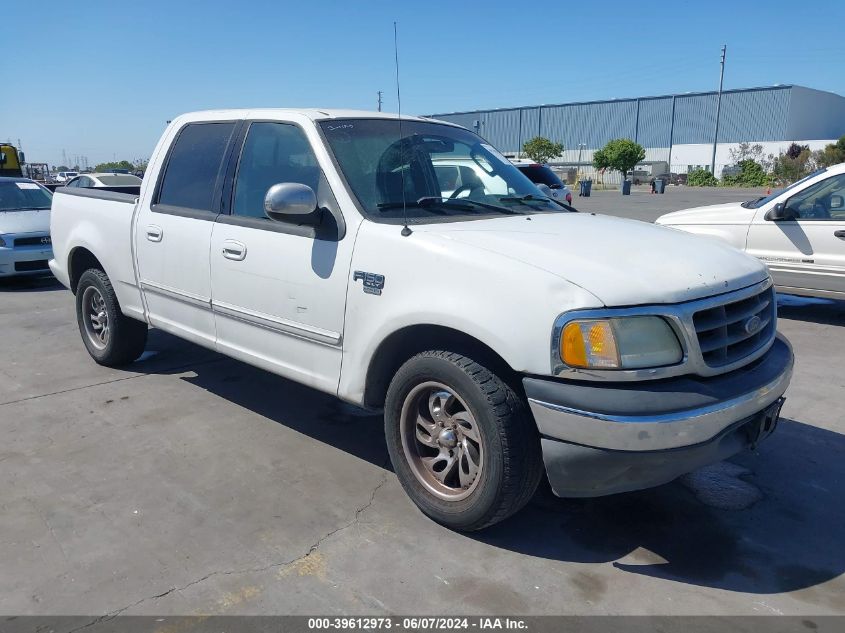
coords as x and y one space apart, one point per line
503 336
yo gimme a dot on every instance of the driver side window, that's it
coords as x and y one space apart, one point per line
824 200
272 153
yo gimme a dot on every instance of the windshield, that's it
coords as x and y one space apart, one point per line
434 170
120 180
759 202
541 174
21 196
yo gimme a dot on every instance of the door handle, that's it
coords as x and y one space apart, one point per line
840 234
234 250
154 233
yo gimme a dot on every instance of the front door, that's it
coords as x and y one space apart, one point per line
278 288
807 252
173 232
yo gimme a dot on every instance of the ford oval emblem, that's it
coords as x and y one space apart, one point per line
752 325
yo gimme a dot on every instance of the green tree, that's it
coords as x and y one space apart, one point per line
701 178
751 174
122 164
620 154
794 164
832 154
62 168
541 149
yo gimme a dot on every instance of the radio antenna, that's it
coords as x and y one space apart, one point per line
406 231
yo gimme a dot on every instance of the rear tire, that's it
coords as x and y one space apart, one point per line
111 338
462 442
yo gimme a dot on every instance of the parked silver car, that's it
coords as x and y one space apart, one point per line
25 245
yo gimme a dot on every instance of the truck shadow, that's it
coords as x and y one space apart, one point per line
765 522
29 284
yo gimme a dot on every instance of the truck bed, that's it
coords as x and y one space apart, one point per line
73 213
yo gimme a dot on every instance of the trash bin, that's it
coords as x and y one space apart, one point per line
626 187
585 188
659 185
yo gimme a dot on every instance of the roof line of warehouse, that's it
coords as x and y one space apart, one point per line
575 103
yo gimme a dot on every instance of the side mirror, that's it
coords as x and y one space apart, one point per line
837 202
286 200
21 157
780 212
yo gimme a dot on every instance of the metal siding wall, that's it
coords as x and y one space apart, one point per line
763 114
501 129
655 122
753 115
591 123
695 118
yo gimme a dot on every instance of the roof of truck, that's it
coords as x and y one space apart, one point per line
315 114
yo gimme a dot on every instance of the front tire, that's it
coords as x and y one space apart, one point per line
461 441
111 338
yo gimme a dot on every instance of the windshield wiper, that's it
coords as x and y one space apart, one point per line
752 204
26 209
530 197
462 204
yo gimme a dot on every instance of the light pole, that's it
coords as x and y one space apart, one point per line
718 109
581 146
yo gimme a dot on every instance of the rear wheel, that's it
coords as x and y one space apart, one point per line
111 338
461 441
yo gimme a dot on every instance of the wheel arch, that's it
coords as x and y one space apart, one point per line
79 260
406 342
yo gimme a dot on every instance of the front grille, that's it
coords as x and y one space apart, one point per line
729 332
41 240
38 264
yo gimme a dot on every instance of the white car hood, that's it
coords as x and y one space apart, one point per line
730 213
621 262
34 221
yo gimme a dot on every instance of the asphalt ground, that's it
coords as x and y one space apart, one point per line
190 483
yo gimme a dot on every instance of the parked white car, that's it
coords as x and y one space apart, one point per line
66 176
799 232
24 227
501 334
105 180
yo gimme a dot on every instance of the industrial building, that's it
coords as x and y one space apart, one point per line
676 131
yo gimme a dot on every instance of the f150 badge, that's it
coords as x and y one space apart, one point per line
373 283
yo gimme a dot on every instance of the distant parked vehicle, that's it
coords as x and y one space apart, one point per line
25 245
543 175
105 180
66 176
799 232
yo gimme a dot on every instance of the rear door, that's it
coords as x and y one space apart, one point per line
173 230
807 253
278 288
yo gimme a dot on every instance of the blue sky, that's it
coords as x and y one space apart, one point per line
102 78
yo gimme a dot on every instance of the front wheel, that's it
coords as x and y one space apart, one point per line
461 441
111 338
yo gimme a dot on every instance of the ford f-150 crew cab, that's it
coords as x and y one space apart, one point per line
505 338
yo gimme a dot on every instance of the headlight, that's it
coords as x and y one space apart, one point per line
631 342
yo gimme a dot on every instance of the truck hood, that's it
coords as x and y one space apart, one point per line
730 213
621 262
34 221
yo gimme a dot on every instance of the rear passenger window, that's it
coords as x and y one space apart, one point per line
272 153
190 178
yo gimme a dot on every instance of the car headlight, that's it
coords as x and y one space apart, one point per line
633 342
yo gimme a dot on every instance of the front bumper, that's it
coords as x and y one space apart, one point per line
604 438
24 261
